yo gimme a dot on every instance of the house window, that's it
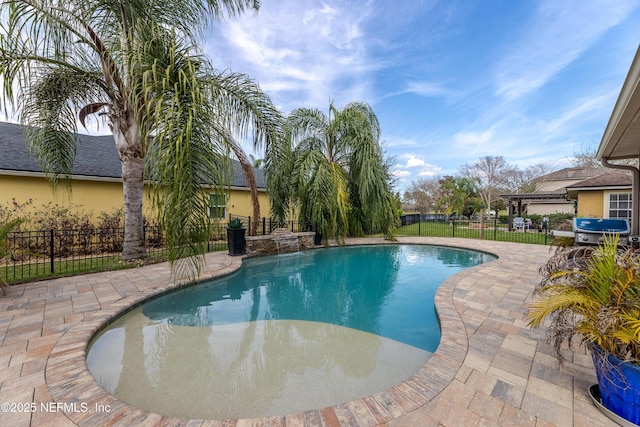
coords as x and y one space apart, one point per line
217 206
620 205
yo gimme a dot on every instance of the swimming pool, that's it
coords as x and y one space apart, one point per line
283 334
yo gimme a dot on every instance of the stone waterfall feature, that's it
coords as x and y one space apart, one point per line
280 241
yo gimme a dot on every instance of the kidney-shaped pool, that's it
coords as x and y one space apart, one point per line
284 334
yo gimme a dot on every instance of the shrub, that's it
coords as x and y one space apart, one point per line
592 293
109 232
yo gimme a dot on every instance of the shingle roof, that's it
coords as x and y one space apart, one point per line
554 195
578 172
96 156
604 180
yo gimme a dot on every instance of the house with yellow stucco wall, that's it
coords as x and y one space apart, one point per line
607 195
96 183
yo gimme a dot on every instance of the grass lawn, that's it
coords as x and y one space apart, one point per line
41 268
497 233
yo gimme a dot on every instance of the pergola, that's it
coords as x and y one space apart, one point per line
520 198
621 138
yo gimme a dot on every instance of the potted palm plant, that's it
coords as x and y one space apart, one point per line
235 237
593 294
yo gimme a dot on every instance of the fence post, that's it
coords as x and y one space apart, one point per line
495 228
51 233
453 228
209 235
419 223
264 225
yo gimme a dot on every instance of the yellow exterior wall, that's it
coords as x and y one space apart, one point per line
94 197
590 204
596 203
239 203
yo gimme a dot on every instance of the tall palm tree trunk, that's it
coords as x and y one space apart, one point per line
247 169
133 188
128 143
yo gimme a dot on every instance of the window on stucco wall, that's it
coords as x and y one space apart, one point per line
620 205
217 206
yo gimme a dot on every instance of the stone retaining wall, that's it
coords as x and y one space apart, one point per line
279 242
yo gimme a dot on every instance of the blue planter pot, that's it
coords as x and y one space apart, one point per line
619 384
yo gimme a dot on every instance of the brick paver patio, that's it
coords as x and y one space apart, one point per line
490 369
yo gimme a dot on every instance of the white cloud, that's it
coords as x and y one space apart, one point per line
401 173
425 89
414 162
430 171
581 110
302 55
397 141
558 34
473 138
414 167
313 13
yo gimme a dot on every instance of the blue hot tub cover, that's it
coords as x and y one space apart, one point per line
606 225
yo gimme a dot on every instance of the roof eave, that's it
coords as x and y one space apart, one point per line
623 117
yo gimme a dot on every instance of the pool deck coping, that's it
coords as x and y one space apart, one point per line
490 368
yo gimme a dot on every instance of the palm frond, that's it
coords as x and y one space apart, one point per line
338 160
591 293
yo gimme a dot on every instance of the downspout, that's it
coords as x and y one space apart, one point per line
635 184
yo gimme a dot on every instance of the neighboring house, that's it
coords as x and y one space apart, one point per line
605 196
96 183
550 195
556 183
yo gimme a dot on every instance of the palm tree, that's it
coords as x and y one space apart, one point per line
256 162
459 195
331 171
135 64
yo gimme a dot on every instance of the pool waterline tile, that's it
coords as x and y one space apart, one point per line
495 290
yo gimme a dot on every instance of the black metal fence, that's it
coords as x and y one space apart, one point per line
267 225
413 225
43 253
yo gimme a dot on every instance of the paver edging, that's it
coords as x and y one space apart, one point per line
437 373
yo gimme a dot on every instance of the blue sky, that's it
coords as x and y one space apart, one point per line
450 81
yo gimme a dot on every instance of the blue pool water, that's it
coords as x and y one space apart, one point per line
384 290
284 334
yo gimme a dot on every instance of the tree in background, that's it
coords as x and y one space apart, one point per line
459 196
330 171
423 194
524 181
256 162
492 174
586 157
136 64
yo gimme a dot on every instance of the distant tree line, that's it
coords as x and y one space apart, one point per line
475 187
